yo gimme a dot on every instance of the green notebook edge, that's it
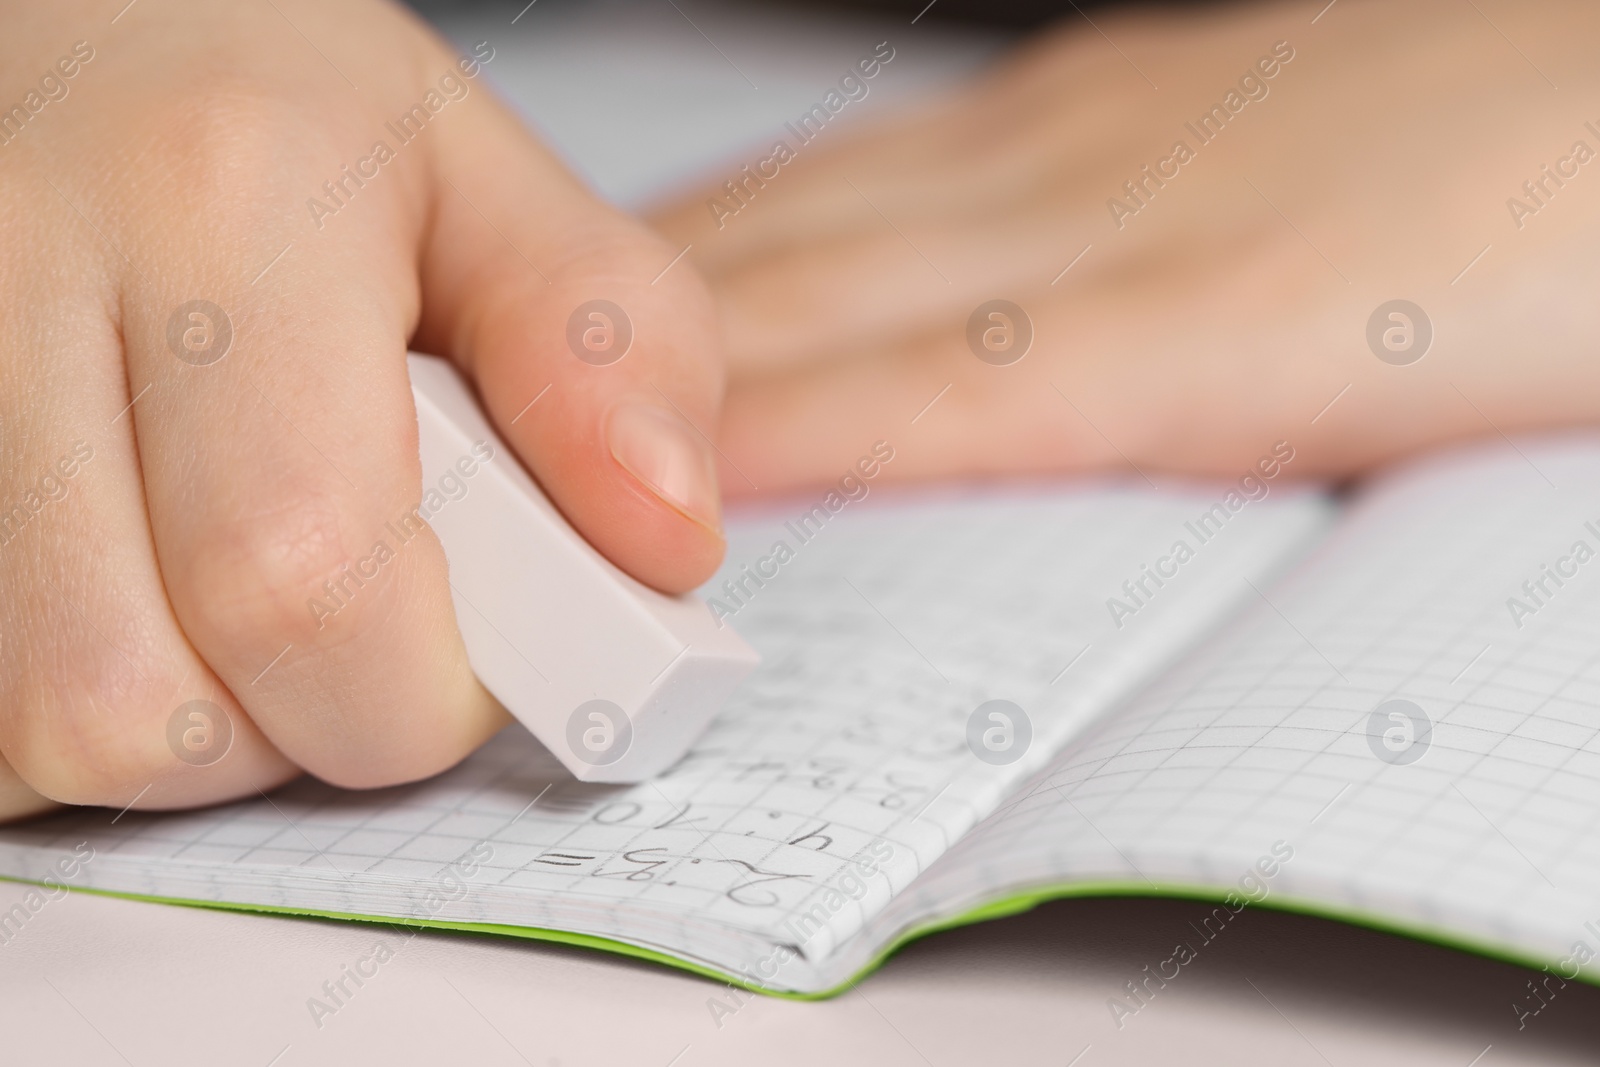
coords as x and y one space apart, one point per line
999 908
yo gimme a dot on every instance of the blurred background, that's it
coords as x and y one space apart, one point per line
644 98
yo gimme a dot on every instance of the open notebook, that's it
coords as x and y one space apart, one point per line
1229 733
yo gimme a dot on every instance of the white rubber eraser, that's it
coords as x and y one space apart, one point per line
613 677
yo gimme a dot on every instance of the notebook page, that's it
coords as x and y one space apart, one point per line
1479 823
842 764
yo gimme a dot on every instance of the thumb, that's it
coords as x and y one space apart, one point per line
595 354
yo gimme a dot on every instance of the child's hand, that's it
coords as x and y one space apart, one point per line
1220 310
223 225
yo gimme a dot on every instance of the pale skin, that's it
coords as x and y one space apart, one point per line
179 562
1224 315
1209 326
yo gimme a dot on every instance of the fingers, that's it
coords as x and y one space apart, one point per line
1100 385
944 412
247 557
882 228
278 446
592 345
94 667
872 288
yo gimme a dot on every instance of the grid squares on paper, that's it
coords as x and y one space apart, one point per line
1259 738
882 634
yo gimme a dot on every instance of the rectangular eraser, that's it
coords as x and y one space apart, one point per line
613 677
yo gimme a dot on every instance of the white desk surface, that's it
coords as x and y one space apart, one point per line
637 99
94 981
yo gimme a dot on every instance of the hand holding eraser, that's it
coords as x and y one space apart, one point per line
615 678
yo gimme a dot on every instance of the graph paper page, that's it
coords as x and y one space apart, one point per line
836 775
1478 823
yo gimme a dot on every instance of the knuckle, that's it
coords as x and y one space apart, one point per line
609 248
257 581
229 127
667 301
223 146
625 253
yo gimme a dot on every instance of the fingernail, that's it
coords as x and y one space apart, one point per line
669 456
